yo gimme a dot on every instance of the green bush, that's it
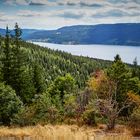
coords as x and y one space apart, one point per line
70 106
24 117
135 118
89 117
10 104
46 110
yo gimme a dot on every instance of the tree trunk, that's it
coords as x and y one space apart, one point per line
111 124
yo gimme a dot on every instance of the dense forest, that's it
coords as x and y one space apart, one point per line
39 86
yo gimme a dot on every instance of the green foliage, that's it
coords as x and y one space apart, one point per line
23 117
57 63
89 115
106 100
40 111
135 121
7 62
70 106
44 110
39 78
10 104
62 86
135 118
27 87
18 63
122 75
135 70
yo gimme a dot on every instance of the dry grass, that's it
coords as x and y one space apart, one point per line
61 132
6 131
135 132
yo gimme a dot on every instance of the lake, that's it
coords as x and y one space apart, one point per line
106 52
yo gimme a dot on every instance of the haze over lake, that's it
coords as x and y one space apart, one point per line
106 52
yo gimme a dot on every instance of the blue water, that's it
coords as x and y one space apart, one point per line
106 52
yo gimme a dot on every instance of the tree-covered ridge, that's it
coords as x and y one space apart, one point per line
107 34
29 68
57 63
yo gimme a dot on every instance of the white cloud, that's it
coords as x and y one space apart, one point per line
16 2
72 12
30 2
28 13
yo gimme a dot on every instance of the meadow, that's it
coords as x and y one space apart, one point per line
60 132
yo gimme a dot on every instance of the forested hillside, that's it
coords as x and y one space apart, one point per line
40 86
107 34
58 63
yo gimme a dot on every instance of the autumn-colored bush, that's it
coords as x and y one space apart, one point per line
135 122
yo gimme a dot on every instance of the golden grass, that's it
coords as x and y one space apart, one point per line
135 132
60 132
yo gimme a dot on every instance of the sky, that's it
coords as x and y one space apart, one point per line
53 14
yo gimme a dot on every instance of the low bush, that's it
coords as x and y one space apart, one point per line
135 122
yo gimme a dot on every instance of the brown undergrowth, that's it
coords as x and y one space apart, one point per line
64 132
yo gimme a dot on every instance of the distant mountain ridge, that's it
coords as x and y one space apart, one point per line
107 34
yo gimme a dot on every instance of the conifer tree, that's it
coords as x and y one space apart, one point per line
38 78
7 59
17 61
135 69
120 74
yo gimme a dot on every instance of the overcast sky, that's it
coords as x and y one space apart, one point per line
52 14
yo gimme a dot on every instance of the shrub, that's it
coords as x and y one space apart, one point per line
24 117
70 106
89 117
10 104
135 122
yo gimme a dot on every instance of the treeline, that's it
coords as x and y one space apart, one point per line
40 85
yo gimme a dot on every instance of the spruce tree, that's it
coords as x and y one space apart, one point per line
6 70
135 69
38 78
16 61
121 74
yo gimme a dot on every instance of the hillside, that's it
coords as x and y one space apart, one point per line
57 63
108 34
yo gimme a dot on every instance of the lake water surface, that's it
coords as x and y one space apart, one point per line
106 52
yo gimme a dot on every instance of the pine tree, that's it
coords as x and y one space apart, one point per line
7 59
38 78
120 74
135 69
17 61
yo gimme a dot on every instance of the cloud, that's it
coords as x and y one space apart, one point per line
82 3
29 2
41 3
28 13
62 3
71 15
2 16
110 13
16 2
5 17
35 4
58 13
55 13
96 5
